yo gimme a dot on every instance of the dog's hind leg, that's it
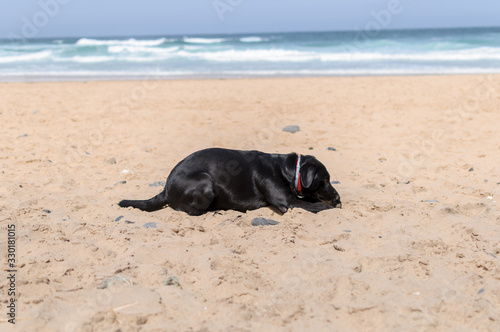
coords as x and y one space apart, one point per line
193 195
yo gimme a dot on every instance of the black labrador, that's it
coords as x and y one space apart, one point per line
222 179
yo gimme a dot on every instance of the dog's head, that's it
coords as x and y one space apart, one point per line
315 181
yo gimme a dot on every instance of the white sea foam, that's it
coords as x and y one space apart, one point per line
281 55
85 59
277 55
141 49
484 53
148 54
25 57
204 40
131 41
251 39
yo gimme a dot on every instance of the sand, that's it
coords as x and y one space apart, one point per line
416 246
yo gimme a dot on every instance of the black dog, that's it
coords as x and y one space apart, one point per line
221 179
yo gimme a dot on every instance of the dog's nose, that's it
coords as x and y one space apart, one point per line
338 206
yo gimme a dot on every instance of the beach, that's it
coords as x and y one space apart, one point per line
416 246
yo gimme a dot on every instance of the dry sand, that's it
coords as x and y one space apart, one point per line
415 248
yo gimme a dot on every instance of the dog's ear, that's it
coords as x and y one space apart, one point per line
307 174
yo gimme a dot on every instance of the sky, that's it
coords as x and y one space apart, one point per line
123 18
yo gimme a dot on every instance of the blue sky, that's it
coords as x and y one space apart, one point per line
92 18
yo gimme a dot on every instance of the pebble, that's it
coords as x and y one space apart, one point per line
335 182
291 129
47 211
120 182
404 182
158 184
129 222
263 222
471 169
119 218
172 281
492 255
331 149
339 248
347 231
149 225
431 201
111 161
311 148
481 291
114 280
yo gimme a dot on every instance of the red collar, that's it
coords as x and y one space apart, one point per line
298 184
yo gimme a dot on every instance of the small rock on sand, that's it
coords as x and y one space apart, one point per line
331 149
120 182
431 201
119 218
172 281
157 184
291 129
129 222
115 280
263 222
335 182
111 161
149 225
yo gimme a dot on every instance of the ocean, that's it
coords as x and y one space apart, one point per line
354 53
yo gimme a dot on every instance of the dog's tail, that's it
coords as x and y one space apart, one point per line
149 205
